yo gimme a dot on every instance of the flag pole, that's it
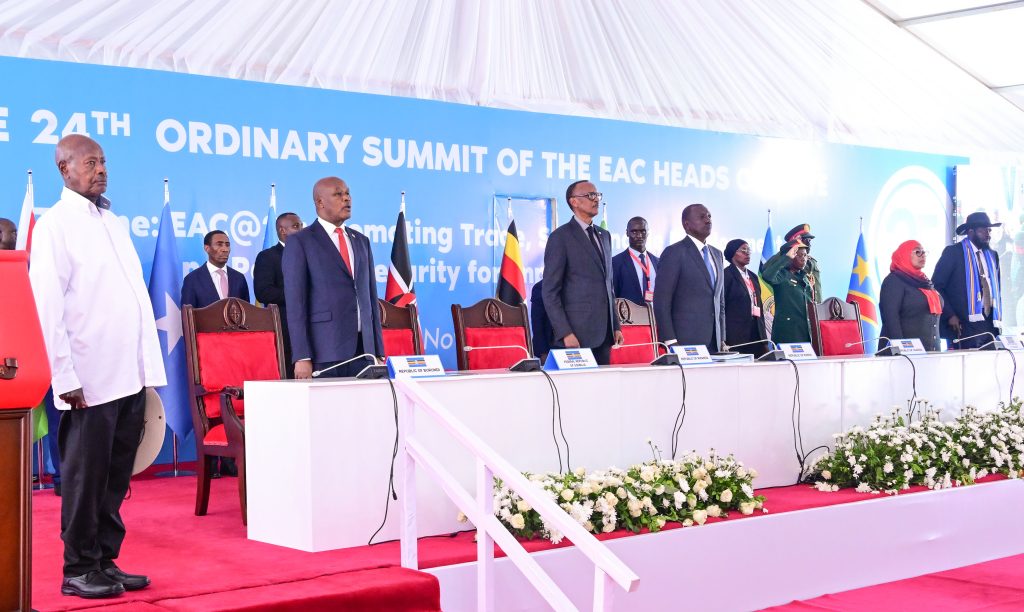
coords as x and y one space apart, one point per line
509 205
401 208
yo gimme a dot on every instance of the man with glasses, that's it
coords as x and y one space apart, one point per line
688 302
577 285
634 270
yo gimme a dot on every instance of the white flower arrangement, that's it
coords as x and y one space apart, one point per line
893 454
646 496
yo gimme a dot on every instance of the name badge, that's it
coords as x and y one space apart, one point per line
415 366
909 346
648 296
1011 342
691 353
798 351
570 359
755 311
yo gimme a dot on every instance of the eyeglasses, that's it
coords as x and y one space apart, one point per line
593 196
744 251
919 252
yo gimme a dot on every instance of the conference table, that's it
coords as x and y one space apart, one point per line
319 453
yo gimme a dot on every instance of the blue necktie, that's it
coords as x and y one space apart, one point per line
710 266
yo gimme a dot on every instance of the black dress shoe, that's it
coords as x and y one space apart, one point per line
130 582
93 585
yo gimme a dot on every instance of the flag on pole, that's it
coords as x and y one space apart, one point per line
165 293
40 422
511 283
27 220
399 289
270 225
862 292
767 295
604 215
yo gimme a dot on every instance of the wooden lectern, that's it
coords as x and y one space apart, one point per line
24 378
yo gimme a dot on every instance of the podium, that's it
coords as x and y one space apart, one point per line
24 378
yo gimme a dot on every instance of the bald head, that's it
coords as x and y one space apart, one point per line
8 235
82 165
332 200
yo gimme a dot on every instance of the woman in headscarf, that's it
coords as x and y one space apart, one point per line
742 296
909 304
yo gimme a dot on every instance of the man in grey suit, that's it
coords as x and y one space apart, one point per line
688 304
578 278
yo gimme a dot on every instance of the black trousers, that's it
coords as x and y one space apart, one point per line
347 370
970 328
97 449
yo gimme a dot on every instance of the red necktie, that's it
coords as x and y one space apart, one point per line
343 247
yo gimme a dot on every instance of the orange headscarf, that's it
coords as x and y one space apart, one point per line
901 263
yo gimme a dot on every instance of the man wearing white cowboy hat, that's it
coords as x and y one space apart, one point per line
967 276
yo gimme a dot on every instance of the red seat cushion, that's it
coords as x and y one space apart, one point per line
217 436
634 334
228 359
488 359
398 342
836 334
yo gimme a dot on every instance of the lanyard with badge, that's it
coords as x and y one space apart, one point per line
645 267
755 310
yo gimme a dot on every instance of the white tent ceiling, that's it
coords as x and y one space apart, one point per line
869 72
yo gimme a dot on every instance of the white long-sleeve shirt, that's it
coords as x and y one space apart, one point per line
93 304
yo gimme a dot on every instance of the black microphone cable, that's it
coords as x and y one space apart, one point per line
796 417
1013 377
556 416
391 493
913 382
677 425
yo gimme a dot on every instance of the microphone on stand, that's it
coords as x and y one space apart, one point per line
993 345
775 354
374 370
890 350
529 364
669 358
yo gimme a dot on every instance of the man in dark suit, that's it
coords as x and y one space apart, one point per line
331 290
216 280
688 304
967 277
578 279
539 324
268 278
634 270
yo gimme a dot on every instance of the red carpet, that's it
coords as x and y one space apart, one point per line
206 563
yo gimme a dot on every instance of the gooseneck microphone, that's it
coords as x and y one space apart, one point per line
890 350
772 355
669 358
992 345
528 364
374 370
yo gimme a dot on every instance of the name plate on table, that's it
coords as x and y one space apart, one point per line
691 353
1011 342
798 351
570 359
909 346
415 366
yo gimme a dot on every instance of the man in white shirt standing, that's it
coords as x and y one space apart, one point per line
101 338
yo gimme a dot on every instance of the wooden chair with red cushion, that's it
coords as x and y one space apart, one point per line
638 327
226 344
491 323
834 324
400 326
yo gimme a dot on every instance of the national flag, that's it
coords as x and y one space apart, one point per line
40 422
862 292
27 220
270 224
165 293
511 283
767 295
604 216
399 289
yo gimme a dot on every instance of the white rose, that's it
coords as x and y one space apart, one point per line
700 516
687 522
588 526
659 490
725 496
523 506
580 471
714 511
608 528
691 500
826 474
621 493
517 521
567 494
747 508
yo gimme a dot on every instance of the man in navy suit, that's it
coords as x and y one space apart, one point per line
268 278
634 270
216 280
331 289
967 276
688 304
578 278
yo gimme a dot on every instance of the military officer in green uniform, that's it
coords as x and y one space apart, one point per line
787 274
812 270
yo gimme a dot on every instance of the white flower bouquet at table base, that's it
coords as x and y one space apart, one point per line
891 455
646 496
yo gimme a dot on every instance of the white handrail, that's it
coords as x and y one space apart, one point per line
609 569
